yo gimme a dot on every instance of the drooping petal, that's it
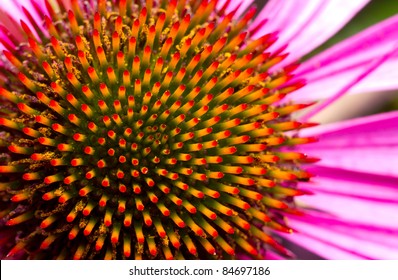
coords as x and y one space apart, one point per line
304 25
336 67
367 144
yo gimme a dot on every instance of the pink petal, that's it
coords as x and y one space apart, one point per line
240 5
13 14
269 255
10 23
336 67
368 144
306 24
334 238
12 8
382 79
266 254
321 248
371 199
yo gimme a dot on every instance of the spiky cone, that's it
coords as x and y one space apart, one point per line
146 131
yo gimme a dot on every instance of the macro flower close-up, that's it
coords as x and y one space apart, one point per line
186 129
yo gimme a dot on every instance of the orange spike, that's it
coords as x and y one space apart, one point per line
13 59
73 23
20 219
126 245
120 60
97 38
189 244
240 222
48 221
174 238
259 215
101 57
115 233
73 232
100 242
225 246
271 202
139 234
115 42
167 253
246 246
191 224
97 21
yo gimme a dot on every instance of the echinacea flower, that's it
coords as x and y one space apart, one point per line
165 129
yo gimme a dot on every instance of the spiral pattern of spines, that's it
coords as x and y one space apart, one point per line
150 131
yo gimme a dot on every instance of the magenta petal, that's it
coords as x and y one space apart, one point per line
12 8
329 71
11 16
355 203
266 254
240 6
382 79
321 248
371 199
334 238
11 24
306 24
368 144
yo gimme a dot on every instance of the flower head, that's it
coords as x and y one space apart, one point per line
146 130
